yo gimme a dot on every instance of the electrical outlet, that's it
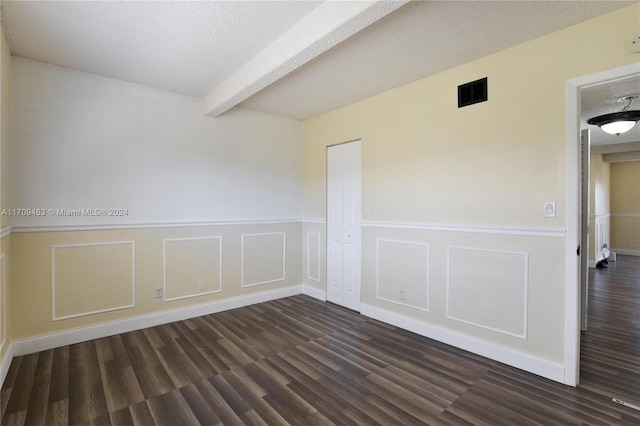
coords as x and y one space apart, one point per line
158 292
403 295
202 284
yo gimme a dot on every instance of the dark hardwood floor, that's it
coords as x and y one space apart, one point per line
610 348
300 361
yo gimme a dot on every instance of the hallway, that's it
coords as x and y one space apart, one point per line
610 348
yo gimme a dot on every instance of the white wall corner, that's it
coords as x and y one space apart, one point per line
314 292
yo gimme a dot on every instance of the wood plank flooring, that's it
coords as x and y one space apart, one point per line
610 348
303 362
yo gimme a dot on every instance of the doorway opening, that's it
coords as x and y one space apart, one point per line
575 214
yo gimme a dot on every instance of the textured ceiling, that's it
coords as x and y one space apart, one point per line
195 47
603 99
419 39
185 47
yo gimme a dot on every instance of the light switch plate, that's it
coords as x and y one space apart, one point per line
550 209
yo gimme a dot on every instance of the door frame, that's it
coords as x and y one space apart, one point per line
572 275
585 250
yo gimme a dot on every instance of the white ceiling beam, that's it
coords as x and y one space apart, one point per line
329 24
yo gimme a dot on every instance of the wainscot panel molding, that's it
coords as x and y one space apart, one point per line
318 220
539 366
313 259
500 257
420 267
100 227
202 292
267 276
54 248
477 229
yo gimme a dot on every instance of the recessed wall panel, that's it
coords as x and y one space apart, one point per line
92 278
403 273
488 289
192 267
313 256
263 258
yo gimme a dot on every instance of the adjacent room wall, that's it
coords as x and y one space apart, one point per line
136 190
462 193
625 207
599 212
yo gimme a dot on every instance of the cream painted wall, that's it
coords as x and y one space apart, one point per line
5 90
33 298
475 178
625 207
82 141
599 212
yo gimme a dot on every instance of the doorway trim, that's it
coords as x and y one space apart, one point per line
572 277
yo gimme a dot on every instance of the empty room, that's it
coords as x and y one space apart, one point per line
319 212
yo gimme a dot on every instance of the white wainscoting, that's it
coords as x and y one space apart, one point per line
263 258
410 257
313 256
99 272
214 265
501 303
601 232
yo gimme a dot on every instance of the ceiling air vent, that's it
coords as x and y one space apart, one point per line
472 93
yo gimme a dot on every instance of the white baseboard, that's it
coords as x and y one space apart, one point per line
511 357
5 363
625 251
83 334
314 292
592 264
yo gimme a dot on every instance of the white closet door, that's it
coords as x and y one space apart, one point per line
343 225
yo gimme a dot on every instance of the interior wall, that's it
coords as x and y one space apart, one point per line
204 209
625 207
461 188
599 211
5 219
81 141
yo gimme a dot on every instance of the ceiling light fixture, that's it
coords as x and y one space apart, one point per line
616 123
